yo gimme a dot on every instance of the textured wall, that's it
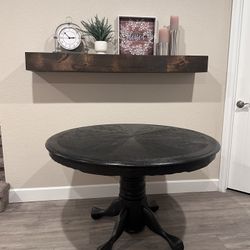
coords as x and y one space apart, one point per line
35 106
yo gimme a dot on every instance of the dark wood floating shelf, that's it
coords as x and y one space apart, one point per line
77 62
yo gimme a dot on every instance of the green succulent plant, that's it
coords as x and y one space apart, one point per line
100 30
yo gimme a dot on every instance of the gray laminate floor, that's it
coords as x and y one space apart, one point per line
205 221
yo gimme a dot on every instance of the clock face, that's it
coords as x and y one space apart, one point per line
69 38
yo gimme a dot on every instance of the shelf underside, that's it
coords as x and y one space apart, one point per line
78 62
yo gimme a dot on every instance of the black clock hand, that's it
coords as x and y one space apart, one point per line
67 35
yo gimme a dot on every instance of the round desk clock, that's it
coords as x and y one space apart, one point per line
68 37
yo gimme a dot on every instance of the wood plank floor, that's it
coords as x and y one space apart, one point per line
205 221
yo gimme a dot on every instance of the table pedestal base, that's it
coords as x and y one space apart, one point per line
134 213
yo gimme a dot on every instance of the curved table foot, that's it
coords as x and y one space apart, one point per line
150 220
113 210
117 231
153 206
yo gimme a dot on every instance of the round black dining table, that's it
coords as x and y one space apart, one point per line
132 151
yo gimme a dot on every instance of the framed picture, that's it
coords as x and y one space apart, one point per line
136 35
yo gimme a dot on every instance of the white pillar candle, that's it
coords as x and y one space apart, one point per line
164 34
174 23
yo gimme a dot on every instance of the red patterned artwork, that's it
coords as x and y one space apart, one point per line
136 35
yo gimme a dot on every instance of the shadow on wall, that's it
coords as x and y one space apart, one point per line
63 87
89 87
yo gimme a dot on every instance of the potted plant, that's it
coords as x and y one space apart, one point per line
101 31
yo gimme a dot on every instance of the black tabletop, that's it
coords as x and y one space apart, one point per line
132 149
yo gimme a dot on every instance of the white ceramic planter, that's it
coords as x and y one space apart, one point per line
101 47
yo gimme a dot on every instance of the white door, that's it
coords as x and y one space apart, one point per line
239 169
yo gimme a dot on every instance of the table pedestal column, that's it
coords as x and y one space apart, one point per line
133 198
134 213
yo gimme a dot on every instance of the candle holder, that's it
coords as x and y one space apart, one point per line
162 49
174 42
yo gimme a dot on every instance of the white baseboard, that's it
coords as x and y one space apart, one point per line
108 190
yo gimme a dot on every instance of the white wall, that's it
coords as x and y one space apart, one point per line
35 106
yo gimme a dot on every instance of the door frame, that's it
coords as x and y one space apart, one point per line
231 87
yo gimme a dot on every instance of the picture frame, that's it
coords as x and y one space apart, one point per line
136 35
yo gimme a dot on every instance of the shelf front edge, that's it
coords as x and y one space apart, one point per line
78 62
